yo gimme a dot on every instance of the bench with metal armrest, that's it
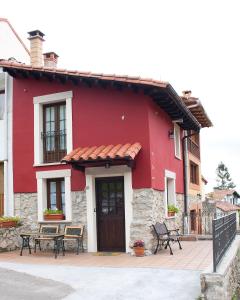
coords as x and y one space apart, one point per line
166 236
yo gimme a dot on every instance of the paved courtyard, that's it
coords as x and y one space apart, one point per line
88 276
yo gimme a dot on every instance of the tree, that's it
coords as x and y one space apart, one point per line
224 181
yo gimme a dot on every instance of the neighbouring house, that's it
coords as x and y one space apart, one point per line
12 49
196 182
230 196
105 149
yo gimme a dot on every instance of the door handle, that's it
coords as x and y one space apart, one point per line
94 210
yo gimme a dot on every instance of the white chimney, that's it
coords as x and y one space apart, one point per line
36 41
50 59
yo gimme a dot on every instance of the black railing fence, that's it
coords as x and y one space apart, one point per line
224 231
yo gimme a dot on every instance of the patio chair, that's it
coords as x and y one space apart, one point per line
45 229
74 233
166 236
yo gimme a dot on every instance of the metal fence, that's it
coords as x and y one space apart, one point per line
224 231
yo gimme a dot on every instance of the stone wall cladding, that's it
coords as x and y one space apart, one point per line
26 208
9 239
226 283
149 208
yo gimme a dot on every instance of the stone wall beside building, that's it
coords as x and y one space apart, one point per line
149 208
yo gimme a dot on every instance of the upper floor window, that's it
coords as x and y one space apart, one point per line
54 132
177 141
52 127
194 173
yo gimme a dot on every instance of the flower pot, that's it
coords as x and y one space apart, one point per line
8 224
54 217
139 251
171 213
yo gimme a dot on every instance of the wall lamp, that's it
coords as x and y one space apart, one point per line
171 134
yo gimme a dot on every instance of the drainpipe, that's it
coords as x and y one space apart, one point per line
5 152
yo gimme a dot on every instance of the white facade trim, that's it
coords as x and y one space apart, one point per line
171 189
177 141
38 121
8 150
91 174
42 191
51 98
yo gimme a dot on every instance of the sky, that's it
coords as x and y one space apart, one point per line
192 44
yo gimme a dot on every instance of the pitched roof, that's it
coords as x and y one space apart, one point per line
161 92
120 151
220 194
196 108
226 206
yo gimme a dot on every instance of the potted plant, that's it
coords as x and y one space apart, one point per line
138 247
53 215
7 222
172 210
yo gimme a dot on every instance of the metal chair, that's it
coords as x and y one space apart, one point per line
45 229
165 236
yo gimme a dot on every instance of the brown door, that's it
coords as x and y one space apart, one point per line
110 214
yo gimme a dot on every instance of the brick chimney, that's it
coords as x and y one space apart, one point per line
187 94
50 59
36 41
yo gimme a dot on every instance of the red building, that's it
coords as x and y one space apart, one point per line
105 149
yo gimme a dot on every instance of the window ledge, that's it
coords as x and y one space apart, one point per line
173 217
178 157
55 222
49 164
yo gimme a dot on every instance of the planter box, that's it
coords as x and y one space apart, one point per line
139 251
8 224
54 217
171 213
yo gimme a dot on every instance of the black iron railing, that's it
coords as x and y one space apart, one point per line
54 145
224 231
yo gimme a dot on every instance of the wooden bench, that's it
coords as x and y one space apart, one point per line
166 236
74 233
45 230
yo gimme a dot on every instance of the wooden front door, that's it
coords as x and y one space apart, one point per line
110 214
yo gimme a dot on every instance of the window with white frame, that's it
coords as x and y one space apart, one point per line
177 141
54 191
52 127
170 189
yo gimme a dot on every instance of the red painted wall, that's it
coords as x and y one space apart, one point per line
97 120
162 149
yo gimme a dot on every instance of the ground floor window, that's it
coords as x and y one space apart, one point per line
170 190
56 194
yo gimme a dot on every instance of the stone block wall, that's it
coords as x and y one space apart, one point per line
9 239
149 208
223 284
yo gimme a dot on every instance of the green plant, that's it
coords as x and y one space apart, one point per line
52 211
9 219
173 208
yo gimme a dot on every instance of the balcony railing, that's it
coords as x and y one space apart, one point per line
54 145
193 148
1 205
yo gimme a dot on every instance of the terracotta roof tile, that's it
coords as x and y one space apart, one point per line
226 206
126 151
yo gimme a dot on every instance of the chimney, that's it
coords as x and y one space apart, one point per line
50 59
187 94
36 40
